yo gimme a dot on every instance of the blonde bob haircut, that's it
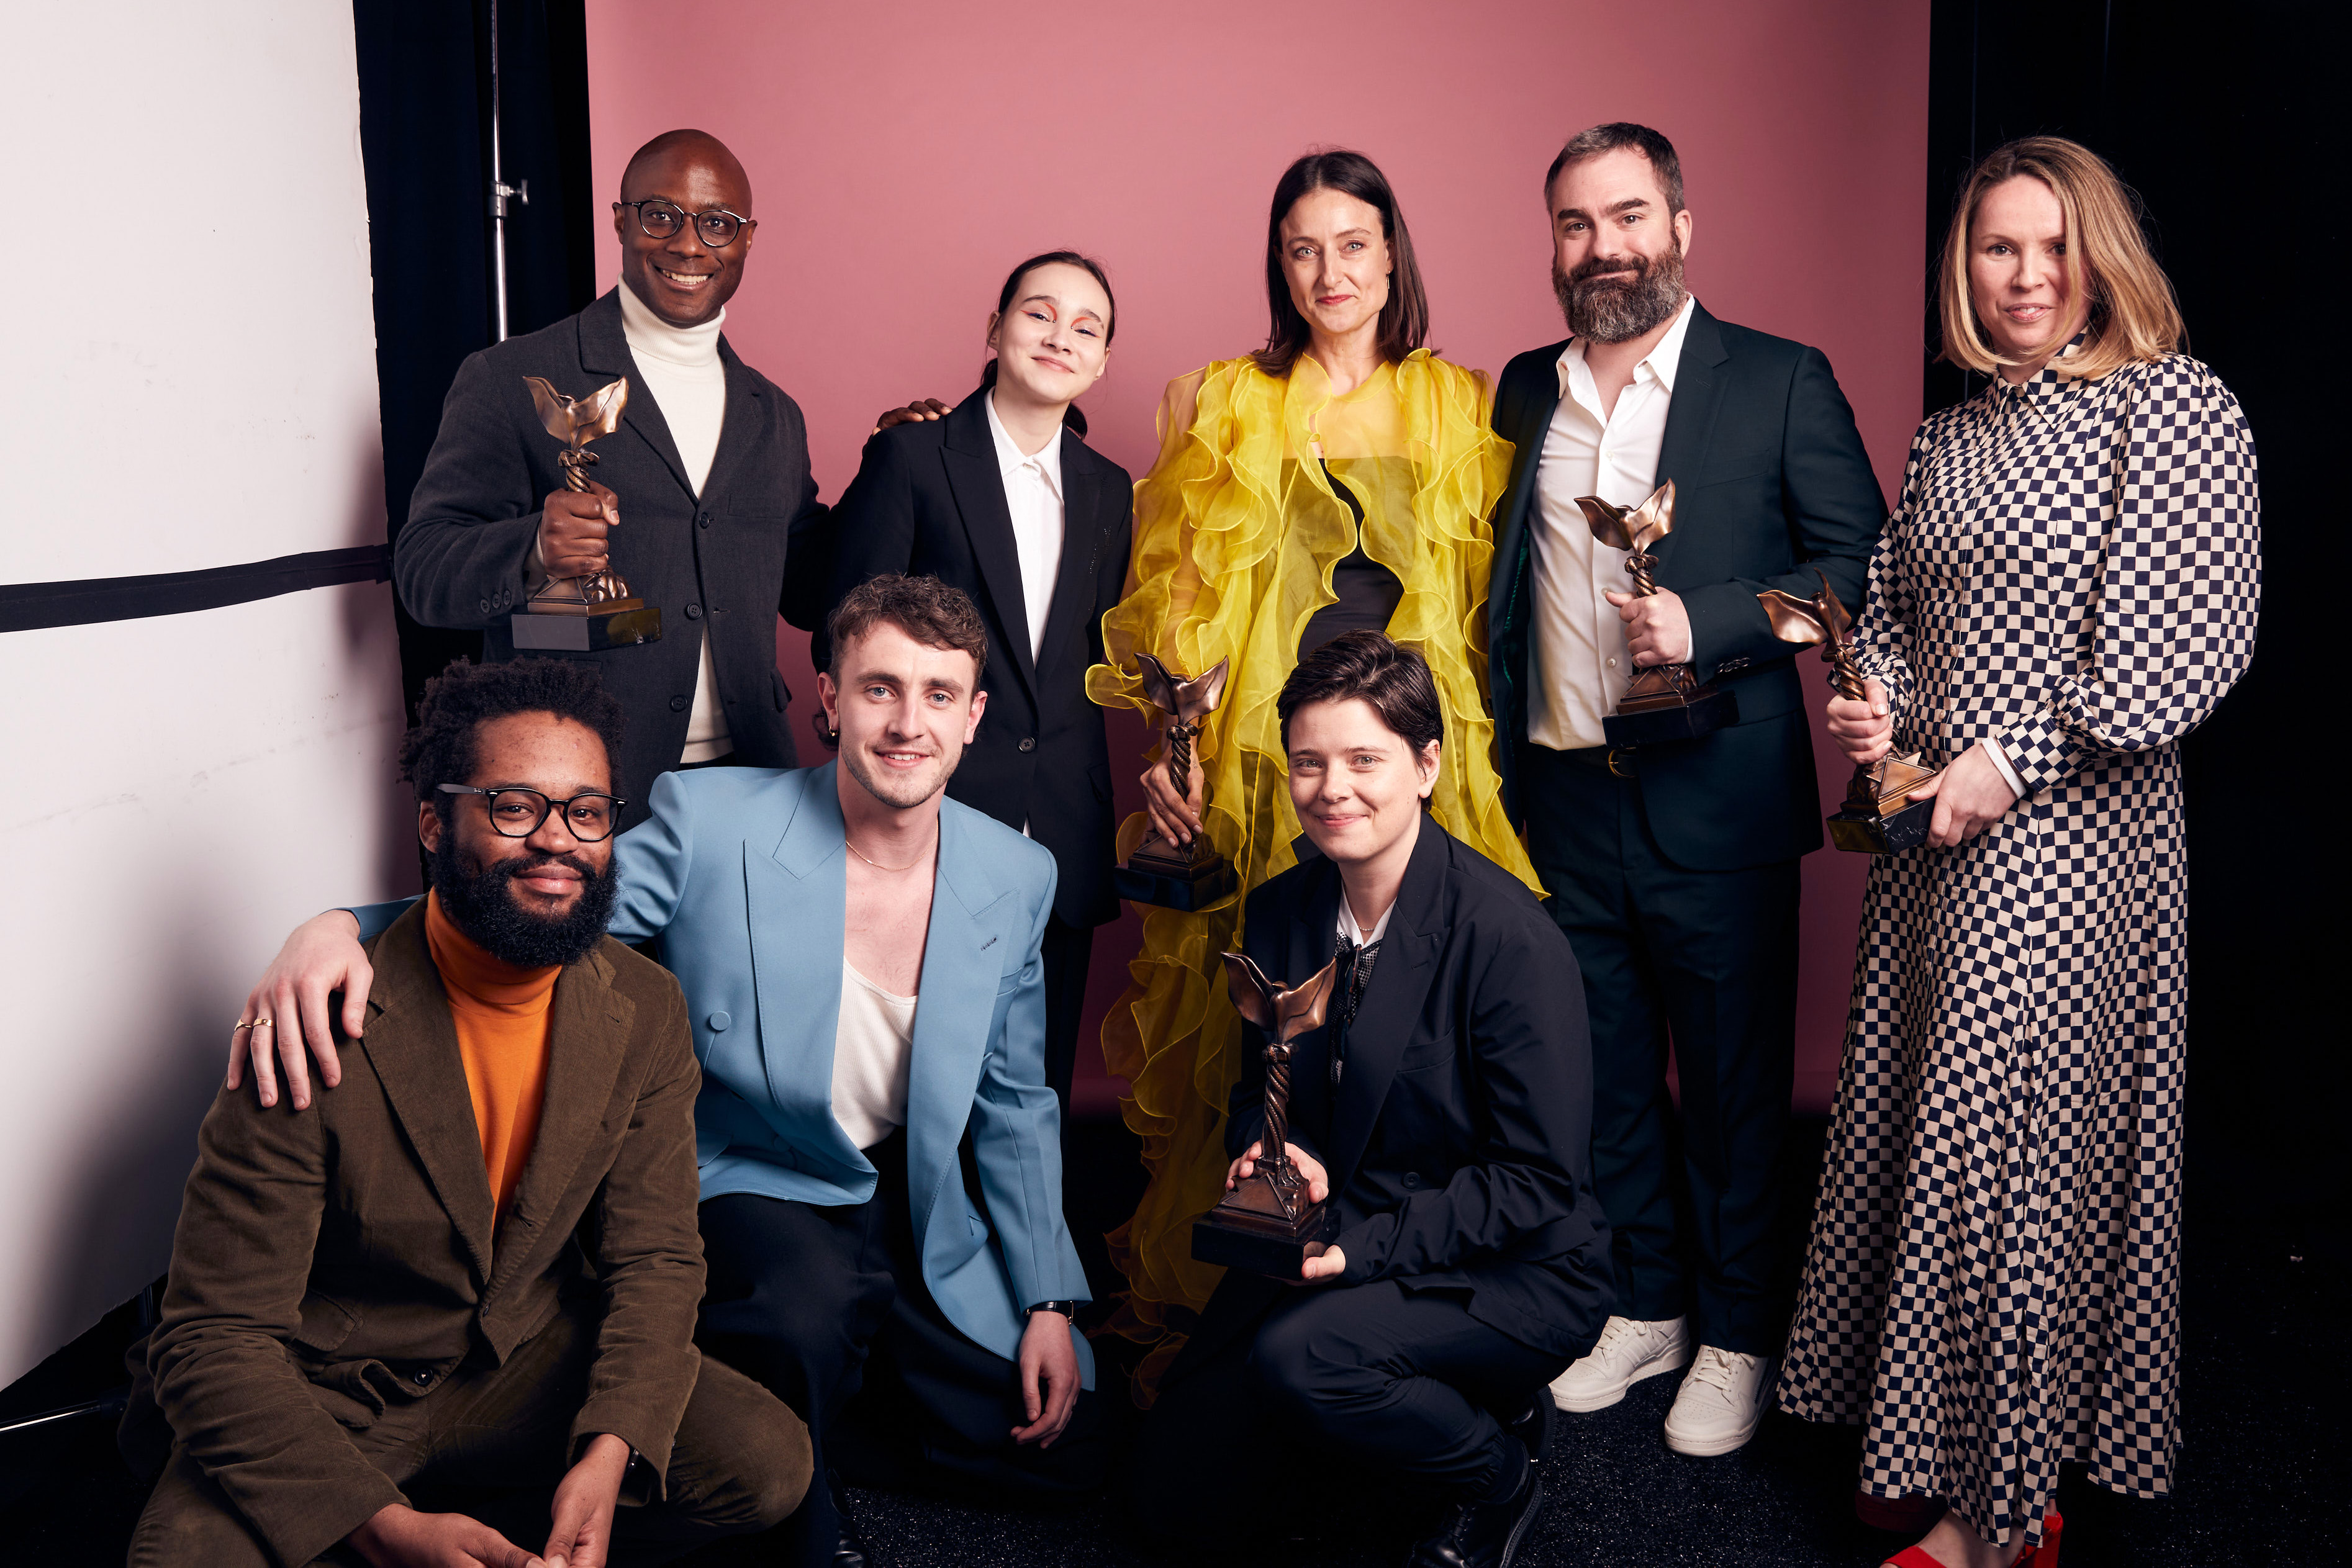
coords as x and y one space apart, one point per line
2132 317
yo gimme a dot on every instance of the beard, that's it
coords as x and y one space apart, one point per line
1613 309
481 902
899 792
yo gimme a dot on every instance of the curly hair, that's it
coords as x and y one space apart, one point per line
442 749
932 613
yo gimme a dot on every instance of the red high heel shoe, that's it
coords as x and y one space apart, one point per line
2045 1555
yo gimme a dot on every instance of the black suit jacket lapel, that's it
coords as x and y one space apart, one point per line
1391 1005
1083 527
604 352
968 452
1699 382
1533 407
738 427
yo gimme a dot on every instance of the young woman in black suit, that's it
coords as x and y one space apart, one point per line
1001 496
1444 1107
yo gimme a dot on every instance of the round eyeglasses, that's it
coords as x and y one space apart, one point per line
516 813
716 228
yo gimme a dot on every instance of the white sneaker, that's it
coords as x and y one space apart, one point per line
1719 1404
1629 1351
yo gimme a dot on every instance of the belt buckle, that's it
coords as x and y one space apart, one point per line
1611 760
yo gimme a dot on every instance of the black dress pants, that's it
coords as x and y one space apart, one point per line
1355 1387
827 1306
1708 961
1066 950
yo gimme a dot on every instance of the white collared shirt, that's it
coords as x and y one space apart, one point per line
1577 658
1355 933
1032 495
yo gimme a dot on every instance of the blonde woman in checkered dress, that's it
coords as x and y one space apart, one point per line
2067 588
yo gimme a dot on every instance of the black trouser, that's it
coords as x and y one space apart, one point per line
821 1303
1066 950
1707 960
1364 1383
493 1443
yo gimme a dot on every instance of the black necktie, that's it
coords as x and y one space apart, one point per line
1355 974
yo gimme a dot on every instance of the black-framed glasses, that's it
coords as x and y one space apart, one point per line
716 228
516 813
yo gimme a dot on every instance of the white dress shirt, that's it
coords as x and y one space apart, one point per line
687 379
1578 658
1355 933
873 1047
1032 494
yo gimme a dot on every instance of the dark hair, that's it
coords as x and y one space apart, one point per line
1611 138
924 608
1364 663
443 747
1404 319
1070 415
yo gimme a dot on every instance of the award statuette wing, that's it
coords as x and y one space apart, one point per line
1265 1224
1662 702
1878 817
582 615
1159 872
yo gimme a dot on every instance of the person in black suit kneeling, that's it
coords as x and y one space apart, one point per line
1001 496
1445 1106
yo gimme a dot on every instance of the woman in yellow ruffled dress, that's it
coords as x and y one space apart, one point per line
1341 478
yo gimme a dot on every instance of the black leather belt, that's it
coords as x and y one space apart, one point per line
1612 759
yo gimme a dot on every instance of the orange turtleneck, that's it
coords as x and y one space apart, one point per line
501 1015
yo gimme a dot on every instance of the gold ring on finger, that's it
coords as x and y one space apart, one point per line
241 1023
263 1023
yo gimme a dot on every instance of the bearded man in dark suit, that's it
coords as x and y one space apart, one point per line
1672 868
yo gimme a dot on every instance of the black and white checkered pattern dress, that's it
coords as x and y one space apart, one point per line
1993 1281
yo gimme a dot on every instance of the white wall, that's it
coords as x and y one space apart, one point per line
188 379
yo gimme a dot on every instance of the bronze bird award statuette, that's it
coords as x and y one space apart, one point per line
1877 818
1663 702
582 615
1158 872
1265 1224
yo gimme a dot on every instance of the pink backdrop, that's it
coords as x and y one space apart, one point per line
905 155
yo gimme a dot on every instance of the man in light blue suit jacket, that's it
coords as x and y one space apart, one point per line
880 1156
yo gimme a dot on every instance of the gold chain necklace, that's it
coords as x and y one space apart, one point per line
877 865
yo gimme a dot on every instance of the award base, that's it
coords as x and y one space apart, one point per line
1247 1230
614 624
1877 818
1159 873
1659 707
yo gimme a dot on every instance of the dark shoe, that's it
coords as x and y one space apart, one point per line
849 1551
1534 1429
1482 1534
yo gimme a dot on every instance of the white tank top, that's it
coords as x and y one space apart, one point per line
871 1050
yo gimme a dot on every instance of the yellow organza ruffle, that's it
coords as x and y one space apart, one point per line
1237 534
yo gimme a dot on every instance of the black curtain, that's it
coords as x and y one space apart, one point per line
2216 116
425 139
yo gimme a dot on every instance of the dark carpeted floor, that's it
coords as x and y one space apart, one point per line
2255 1485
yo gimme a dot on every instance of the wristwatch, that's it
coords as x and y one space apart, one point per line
1067 1308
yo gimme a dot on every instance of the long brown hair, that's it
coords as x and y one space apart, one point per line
1404 319
2133 316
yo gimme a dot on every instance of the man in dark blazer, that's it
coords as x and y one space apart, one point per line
701 497
929 500
397 1287
1442 1107
1673 869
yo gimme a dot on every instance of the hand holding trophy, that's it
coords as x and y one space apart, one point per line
1158 872
1266 1224
582 615
1878 818
1663 702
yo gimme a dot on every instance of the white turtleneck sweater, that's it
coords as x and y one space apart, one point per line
681 371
